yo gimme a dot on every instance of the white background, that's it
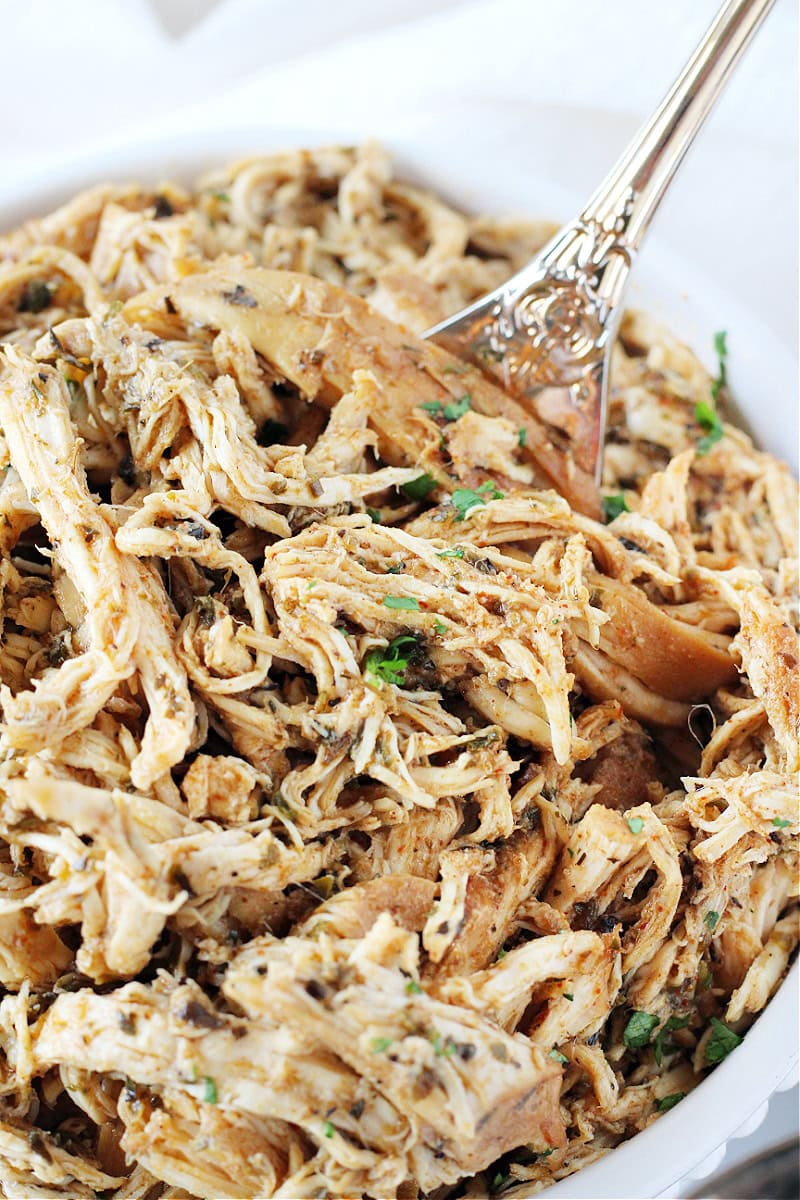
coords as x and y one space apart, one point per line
570 79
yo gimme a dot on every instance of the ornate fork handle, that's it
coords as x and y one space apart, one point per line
549 329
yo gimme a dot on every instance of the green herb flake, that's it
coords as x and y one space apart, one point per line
391 664
407 603
379 1045
522 436
721 350
464 500
613 506
635 824
721 1042
222 197
458 552
418 489
443 1048
668 1102
708 419
413 988
711 919
568 995
434 407
457 408
374 515
397 569
499 1180
501 953
638 1030
662 1044
439 626
209 1090
558 1056
781 822
328 1129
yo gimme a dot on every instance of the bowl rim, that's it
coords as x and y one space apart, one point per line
724 1101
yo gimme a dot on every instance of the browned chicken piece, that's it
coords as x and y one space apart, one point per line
519 868
621 771
352 913
317 336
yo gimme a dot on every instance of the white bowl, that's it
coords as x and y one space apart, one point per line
483 171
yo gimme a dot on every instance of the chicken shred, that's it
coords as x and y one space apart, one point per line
374 820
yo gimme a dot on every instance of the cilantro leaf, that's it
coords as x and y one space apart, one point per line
418 489
457 408
721 348
558 1056
613 506
378 1045
522 436
639 1028
635 824
405 602
392 663
668 1102
439 626
458 552
328 1129
662 1044
464 500
708 419
413 988
434 407
780 822
721 1042
374 515
710 919
209 1090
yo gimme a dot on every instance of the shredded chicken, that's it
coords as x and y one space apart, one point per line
374 820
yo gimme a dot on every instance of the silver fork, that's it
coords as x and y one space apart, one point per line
547 332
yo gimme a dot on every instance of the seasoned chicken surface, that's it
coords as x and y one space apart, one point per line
375 819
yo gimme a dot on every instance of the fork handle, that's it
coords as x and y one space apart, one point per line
626 201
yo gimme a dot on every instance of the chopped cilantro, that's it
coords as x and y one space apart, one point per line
635 824
456 408
223 197
374 515
522 436
406 602
439 626
710 919
613 506
458 552
209 1090
638 1030
708 419
417 489
668 1102
558 1056
379 1045
443 1048
464 500
568 995
499 1180
450 411
501 953
397 569
721 348
391 664
780 822
328 1129
413 988
721 1042
661 1043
